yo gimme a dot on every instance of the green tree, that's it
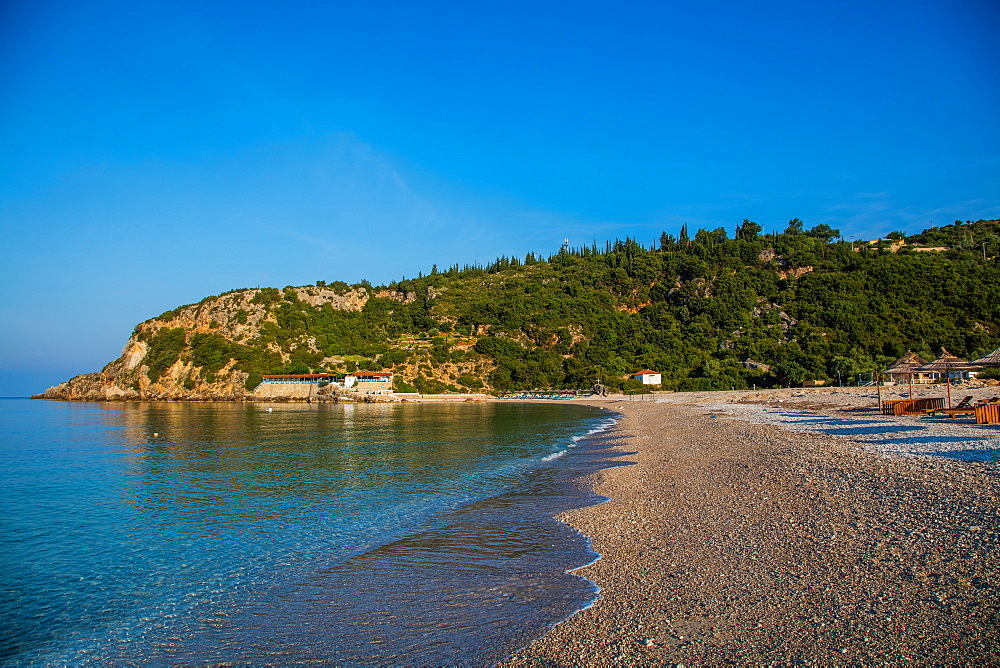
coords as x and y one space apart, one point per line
748 230
791 373
823 232
684 239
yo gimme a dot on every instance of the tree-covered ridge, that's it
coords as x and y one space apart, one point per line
964 236
696 308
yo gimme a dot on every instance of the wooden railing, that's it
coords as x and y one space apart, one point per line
911 406
988 413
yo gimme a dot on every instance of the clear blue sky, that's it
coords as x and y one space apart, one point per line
154 153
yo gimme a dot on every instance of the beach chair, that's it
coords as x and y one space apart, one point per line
956 411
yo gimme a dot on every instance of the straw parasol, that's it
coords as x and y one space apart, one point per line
909 364
947 363
993 359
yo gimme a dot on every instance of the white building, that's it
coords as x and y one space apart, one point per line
647 377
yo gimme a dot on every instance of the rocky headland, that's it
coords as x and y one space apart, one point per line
161 361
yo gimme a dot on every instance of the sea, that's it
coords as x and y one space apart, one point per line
355 534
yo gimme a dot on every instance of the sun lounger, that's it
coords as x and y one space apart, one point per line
952 412
963 410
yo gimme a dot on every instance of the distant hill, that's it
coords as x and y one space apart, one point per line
707 311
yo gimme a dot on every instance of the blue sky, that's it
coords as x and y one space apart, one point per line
154 153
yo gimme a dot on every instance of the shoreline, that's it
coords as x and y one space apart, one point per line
264 399
733 539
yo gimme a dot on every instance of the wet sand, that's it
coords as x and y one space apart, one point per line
736 540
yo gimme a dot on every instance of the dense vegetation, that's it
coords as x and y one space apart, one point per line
803 302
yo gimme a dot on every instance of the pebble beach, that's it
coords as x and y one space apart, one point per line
789 526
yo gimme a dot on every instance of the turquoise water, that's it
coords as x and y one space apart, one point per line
384 533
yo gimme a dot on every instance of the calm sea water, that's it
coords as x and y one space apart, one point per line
414 533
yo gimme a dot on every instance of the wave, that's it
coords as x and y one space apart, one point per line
601 427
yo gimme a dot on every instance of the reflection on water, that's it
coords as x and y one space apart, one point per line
339 533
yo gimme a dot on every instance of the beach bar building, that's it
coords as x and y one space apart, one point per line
907 369
364 382
299 378
369 382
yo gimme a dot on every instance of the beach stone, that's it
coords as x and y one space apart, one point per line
787 535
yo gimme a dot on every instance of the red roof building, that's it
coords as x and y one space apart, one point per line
647 377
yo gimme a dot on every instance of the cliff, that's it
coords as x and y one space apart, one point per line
166 359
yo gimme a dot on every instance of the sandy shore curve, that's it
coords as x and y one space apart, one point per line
843 537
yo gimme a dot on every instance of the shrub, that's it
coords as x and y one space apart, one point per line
210 351
467 380
403 386
164 349
266 296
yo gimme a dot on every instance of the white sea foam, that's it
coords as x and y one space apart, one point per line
554 455
603 426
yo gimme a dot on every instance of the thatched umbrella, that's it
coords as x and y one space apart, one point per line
908 364
947 363
993 359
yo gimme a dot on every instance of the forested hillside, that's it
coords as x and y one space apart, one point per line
802 302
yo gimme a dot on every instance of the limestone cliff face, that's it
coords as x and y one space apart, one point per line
127 379
236 317
239 315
